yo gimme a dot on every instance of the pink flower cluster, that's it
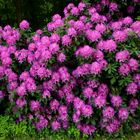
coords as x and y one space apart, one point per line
87 70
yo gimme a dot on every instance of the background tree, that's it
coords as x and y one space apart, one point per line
39 12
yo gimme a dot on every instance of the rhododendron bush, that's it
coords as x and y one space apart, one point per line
82 70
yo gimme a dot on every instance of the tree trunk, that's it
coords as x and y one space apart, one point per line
18 6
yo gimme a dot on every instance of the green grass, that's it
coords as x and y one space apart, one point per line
12 131
135 137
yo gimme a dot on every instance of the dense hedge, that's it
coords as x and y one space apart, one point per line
83 70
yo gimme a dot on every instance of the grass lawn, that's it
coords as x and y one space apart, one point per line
135 137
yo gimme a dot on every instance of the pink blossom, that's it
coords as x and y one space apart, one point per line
54 104
88 92
93 35
113 6
127 21
34 105
55 38
75 11
21 102
101 28
100 101
66 40
124 69
95 68
55 17
24 25
87 110
61 57
132 88
85 51
55 125
133 63
108 112
109 45
53 48
116 100
135 26
79 25
21 90
71 32
120 36
1 94
122 56
123 113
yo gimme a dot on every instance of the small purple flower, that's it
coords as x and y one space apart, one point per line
69 98
75 11
66 40
81 6
56 17
103 90
123 113
135 26
113 126
21 90
124 69
108 112
116 101
55 125
95 68
85 51
21 102
93 35
88 92
136 78
122 56
132 88
54 47
54 104
55 38
113 6
30 84
79 25
24 25
78 103
46 93
95 17
93 83
24 75
76 118
61 57
92 10
86 129
133 103
133 63
87 110
101 28
109 45
34 105
1 94
62 109
127 21
42 123
71 32
120 36
45 41
100 101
